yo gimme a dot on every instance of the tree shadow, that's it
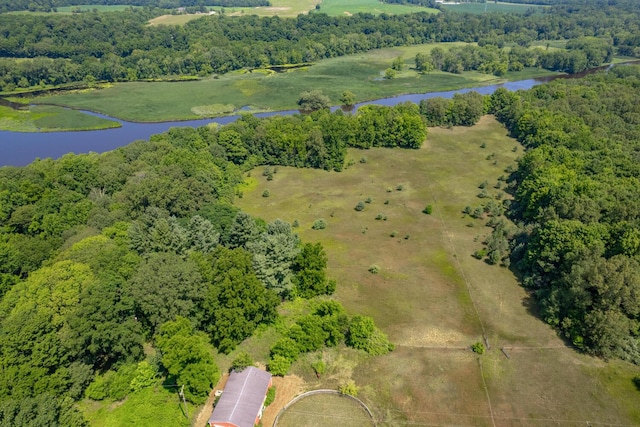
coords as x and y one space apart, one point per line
636 382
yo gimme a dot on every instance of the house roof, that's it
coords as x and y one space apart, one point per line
242 398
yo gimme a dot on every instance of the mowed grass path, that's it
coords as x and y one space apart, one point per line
433 298
269 91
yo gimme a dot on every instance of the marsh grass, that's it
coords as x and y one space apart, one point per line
162 101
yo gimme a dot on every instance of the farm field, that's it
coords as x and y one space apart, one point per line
291 8
350 7
264 90
434 299
491 6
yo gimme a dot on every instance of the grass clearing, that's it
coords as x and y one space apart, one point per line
350 7
432 297
491 6
150 406
50 119
320 410
361 74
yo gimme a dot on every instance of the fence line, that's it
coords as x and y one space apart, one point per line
324 391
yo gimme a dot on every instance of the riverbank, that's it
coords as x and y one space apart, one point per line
265 90
49 118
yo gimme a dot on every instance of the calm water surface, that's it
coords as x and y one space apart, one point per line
21 148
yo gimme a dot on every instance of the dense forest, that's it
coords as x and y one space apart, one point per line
102 253
577 206
52 5
120 46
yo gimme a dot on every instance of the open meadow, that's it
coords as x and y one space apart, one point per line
432 297
266 90
292 8
491 6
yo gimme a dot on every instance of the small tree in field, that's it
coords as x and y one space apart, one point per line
360 206
313 100
389 74
348 99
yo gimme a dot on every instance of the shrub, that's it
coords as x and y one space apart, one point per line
374 269
279 365
483 145
399 187
363 160
319 224
295 224
478 348
360 206
271 396
266 193
393 234
389 189
349 387
428 209
386 202
380 216
242 361
369 200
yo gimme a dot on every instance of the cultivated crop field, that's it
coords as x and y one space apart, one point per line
264 90
433 298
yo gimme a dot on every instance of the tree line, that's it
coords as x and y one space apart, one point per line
52 5
101 254
577 204
120 46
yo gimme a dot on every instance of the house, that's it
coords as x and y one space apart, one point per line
242 401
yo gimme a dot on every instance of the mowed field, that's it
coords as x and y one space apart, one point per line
264 90
292 8
491 6
434 299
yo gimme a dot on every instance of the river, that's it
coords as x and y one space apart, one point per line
21 148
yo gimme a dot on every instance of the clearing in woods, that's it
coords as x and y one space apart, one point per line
434 299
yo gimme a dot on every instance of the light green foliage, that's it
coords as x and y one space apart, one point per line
389 73
145 375
242 361
428 210
349 387
187 357
364 335
279 365
374 269
236 302
478 348
43 410
398 64
319 367
348 98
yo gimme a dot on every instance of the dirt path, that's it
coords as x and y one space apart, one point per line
286 389
207 409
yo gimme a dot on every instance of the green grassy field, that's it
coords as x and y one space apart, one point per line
99 8
325 410
151 406
50 119
263 90
434 299
491 6
349 7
